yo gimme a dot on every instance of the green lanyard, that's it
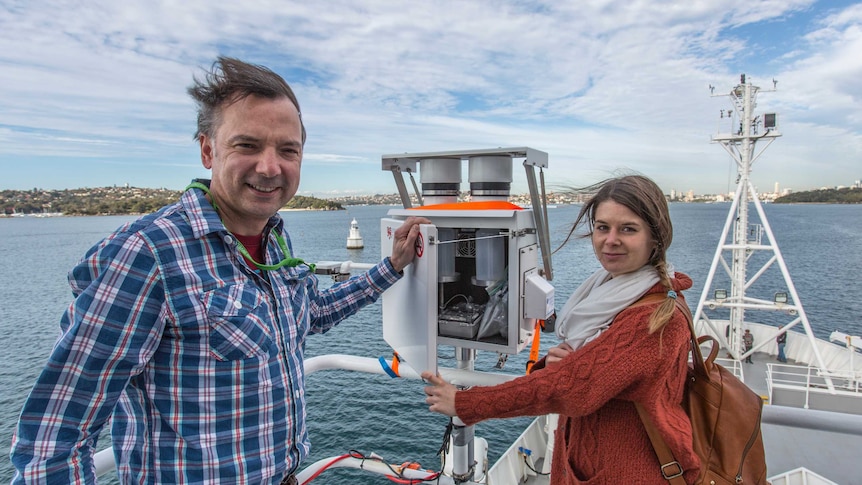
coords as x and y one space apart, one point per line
288 261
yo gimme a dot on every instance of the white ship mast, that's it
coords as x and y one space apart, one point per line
746 129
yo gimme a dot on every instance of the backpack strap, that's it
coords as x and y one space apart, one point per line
697 355
671 470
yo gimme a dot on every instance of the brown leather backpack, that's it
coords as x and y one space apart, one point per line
725 420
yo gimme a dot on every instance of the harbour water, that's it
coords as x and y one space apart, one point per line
821 245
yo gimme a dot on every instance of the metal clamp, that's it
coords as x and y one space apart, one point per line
674 475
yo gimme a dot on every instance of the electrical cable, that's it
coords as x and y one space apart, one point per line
444 447
399 475
456 296
537 472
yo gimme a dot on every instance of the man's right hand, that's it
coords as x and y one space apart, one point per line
404 242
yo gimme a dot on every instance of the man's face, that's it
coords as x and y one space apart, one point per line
255 158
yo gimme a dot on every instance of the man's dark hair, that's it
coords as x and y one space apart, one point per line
231 80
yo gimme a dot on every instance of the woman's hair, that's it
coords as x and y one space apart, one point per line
644 198
231 80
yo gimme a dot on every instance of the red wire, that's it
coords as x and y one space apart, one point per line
324 467
413 481
406 481
399 480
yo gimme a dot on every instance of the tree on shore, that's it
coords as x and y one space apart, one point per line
847 195
113 201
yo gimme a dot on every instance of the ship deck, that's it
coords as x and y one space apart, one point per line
795 454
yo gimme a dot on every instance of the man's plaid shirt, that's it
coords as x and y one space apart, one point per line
194 355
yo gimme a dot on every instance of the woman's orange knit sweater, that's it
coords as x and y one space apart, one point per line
600 438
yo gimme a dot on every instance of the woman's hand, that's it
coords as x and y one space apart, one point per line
558 353
440 394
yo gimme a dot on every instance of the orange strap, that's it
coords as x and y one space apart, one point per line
395 360
534 349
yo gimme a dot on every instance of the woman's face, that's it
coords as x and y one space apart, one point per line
621 240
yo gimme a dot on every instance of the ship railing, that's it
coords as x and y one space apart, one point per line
773 414
734 366
104 459
853 380
801 386
799 348
800 475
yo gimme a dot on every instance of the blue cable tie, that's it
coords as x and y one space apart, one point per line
386 367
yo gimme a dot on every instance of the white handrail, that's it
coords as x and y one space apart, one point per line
372 466
772 414
104 460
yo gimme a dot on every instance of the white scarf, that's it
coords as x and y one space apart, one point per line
594 305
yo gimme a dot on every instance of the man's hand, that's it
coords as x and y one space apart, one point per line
440 394
404 242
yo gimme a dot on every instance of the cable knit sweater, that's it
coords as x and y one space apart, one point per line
600 438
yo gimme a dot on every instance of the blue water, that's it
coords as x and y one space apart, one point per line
821 244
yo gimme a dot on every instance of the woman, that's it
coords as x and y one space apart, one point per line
613 355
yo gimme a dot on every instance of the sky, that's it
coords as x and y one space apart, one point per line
93 94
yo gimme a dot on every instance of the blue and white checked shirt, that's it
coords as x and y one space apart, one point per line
195 356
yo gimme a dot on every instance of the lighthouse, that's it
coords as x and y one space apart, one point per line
354 239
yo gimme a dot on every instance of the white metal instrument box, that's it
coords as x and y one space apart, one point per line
474 283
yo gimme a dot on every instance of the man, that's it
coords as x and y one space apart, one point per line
748 341
781 340
188 325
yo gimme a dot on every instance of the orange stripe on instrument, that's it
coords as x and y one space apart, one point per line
483 205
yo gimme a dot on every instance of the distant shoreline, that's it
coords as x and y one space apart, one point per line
311 209
39 216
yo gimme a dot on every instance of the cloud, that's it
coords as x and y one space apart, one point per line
598 84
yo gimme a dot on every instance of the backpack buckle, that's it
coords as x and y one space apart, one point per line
674 473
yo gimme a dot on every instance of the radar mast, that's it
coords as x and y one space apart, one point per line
740 239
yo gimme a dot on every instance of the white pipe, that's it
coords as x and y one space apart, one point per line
772 414
104 460
812 419
372 366
347 266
